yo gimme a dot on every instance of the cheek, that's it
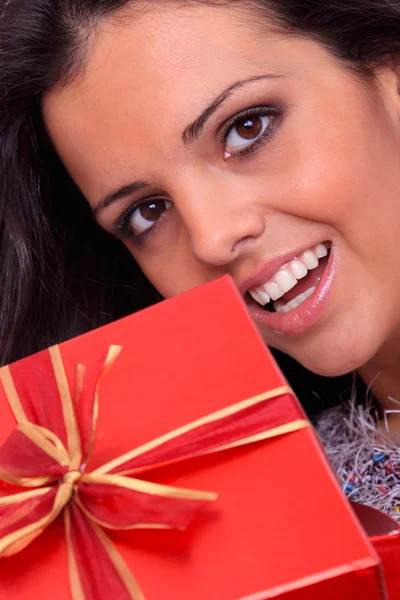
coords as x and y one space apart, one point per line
169 263
355 190
341 176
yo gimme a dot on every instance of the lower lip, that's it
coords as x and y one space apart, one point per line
305 316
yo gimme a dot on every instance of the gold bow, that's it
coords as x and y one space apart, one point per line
36 457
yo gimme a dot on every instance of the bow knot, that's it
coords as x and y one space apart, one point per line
72 477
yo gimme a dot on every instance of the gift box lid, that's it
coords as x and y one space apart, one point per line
280 526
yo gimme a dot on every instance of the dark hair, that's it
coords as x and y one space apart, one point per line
60 275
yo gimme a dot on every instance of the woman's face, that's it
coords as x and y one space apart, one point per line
210 145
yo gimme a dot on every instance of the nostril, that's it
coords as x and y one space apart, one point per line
243 242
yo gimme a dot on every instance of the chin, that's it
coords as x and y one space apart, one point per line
328 368
335 359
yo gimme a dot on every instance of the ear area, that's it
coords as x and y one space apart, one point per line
387 77
396 68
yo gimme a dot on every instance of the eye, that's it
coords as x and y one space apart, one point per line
246 131
147 214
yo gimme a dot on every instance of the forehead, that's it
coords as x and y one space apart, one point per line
148 76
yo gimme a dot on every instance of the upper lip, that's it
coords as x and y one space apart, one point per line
270 267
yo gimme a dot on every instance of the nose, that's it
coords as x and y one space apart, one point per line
222 221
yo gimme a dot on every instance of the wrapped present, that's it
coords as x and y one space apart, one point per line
384 534
388 548
165 457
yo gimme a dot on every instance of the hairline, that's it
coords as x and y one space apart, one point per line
86 35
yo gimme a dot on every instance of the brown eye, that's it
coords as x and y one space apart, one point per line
249 128
245 131
146 214
152 211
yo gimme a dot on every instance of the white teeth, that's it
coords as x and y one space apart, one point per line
309 292
273 290
287 277
285 280
281 307
310 259
298 269
296 301
321 251
260 297
292 304
301 297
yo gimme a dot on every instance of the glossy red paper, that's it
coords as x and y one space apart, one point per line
280 519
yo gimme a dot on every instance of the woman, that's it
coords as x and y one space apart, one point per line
258 138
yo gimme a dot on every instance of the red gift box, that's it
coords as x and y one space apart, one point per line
280 526
384 534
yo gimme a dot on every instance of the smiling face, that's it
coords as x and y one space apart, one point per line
209 148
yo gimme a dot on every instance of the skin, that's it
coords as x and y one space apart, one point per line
329 172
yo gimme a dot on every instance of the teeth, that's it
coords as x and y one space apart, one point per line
321 251
309 292
281 307
285 280
309 258
273 290
298 269
260 297
287 277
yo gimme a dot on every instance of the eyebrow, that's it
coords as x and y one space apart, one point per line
189 136
121 192
193 131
